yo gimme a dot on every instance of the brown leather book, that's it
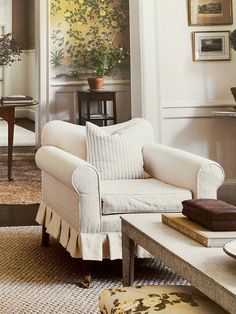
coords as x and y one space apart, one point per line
214 214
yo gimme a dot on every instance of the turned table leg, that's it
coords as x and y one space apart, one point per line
8 114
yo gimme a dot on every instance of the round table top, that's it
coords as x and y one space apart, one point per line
18 104
230 248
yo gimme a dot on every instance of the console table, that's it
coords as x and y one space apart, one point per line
7 113
210 270
96 96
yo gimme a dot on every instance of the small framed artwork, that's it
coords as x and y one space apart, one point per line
211 46
210 12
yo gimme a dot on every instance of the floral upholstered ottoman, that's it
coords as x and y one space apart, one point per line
155 299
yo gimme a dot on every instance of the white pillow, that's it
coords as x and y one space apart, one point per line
118 154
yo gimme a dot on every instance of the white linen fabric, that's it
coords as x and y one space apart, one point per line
72 137
140 196
174 166
118 155
83 212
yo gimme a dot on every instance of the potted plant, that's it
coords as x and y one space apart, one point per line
232 39
9 50
105 59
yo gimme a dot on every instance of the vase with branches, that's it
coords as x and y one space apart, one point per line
9 50
232 39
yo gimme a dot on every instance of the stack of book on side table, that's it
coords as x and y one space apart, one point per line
208 221
16 99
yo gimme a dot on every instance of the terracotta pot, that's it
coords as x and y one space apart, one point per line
95 82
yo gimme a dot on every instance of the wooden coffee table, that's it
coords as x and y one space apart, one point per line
210 270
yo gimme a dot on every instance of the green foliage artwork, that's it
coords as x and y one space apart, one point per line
89 37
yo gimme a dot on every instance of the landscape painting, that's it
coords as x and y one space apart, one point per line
210 12
211 46
210 8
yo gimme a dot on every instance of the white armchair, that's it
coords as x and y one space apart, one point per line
83 212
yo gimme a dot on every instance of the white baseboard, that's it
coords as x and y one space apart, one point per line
25 113
227 192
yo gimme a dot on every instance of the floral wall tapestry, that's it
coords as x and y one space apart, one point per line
77 27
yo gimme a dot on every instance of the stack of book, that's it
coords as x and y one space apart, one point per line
210 222
197 232
16 99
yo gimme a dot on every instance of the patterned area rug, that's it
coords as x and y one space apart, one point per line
26 187
44 280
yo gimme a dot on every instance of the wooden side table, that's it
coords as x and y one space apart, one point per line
7 113
96 96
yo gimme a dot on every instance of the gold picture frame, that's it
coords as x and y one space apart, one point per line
210 12
211 46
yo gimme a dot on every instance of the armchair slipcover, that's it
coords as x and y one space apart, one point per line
83 212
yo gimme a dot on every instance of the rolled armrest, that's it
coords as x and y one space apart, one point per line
66 136
78 175
174 166
61 165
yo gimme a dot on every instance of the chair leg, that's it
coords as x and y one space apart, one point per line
86 275
45 237
86 265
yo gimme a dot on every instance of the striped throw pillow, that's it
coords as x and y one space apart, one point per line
118 155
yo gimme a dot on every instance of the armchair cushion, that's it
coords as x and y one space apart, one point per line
118 155
140 196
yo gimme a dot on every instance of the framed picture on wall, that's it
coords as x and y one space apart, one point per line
211 46
210 12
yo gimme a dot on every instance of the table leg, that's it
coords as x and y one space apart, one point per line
80 111
88 110
11 122
114 110
128 247
8 114
105 111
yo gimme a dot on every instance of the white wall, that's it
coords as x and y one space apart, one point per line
184 82
188 91
23 82
144 62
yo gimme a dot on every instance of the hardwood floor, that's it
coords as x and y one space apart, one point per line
19 215
26 124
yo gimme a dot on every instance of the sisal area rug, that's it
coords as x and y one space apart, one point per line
44 280
26 187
